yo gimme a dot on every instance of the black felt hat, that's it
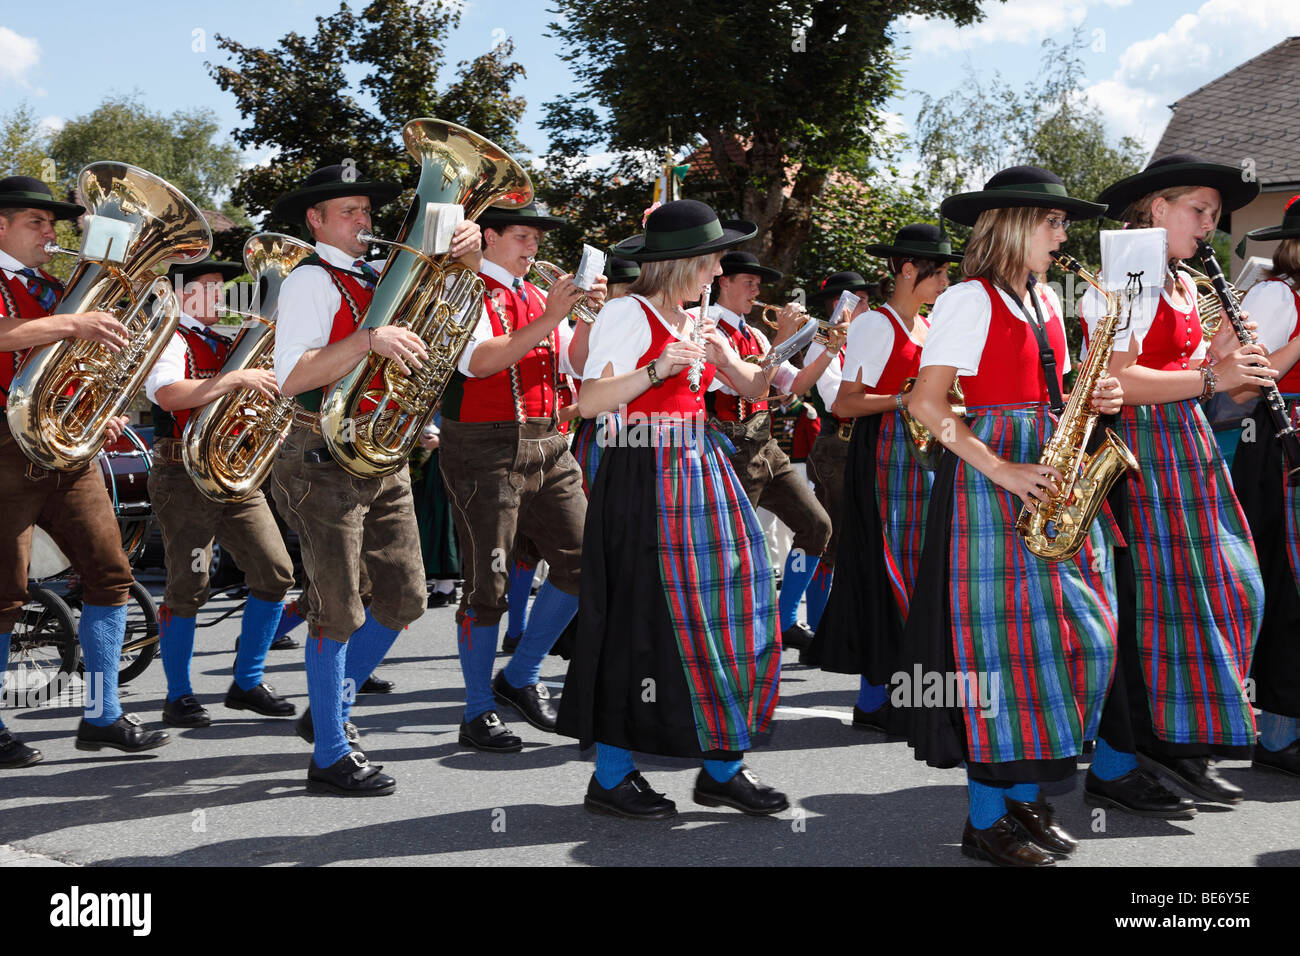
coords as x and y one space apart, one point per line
498 217
1018 186
1289 228
681 229
185 271
833 285
331 182
28 192
621 270
917 241
1180 169
736 263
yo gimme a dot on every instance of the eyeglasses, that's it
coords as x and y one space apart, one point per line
1061 224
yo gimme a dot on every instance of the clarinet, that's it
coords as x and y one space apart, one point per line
697 336
1286 432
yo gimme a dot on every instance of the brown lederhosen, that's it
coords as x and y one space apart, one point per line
73 507
503 479
826 462
346 524
772 482
246 530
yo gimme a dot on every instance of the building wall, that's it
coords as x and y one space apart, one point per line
1266 210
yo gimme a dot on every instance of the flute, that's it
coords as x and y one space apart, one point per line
697 336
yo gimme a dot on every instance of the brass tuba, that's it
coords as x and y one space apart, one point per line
66 393
925 449
372 417
1057 528
230 443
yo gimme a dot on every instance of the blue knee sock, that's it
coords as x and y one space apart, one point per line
256 633
1277 732
100 633
477 648
987 804
325 664
793 583
1023 792
872 696
722 770
521 587
612 765
366 648
552 612
819 590
289 619
4 666
176 642
1111 764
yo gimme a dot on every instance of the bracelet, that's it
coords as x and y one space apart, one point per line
898 402
371 340
655 380
1211 383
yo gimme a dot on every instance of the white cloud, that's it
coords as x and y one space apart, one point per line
18 55
51 124
1197 48
1023 22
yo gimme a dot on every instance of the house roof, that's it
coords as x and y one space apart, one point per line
1251 112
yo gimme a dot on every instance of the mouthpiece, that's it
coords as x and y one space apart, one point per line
53 249
367 237
1067 262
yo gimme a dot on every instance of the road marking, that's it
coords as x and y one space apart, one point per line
809 712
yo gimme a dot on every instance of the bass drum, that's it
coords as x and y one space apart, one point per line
124 466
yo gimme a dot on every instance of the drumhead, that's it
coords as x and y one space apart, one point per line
47 560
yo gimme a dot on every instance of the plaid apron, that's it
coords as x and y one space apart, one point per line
1200 596
587 444
719 588
1042 638
903 491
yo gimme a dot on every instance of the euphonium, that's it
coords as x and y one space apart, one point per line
372 417
230 443
65 394
925 449
1057 528
550 273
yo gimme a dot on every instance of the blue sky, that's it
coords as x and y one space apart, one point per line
1142 55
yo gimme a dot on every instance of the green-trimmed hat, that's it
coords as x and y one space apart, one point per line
917 241
736 263
534 214
330 182
28 192
1180 169
1289 228
1018 186
682 229
621 270
185 271
833 285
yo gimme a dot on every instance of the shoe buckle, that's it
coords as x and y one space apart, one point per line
542 691
132 719
749 775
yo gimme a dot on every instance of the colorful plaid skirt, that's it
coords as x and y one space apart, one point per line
1198 590
902 492
590 436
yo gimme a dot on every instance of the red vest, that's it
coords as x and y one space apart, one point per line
674 396
27 308
1010 370
524 390
203 359
1173 335
904 358
352 309
733 408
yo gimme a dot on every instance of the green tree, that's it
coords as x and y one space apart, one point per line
24 148
297 101
783 92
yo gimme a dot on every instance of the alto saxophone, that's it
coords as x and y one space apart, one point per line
1057 528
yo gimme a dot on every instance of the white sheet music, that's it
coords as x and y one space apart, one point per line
1144 252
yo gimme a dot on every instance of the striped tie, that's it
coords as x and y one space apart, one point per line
368 271
40 288
519 289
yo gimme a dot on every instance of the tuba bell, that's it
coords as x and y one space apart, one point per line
230 443
65 394
372 418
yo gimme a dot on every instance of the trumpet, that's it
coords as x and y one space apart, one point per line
550 273
828 335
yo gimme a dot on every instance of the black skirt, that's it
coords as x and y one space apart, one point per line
626 684
1257 478
437 529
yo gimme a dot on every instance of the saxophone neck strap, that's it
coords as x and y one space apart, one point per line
1046 357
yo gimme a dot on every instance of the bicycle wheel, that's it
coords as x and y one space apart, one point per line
43 646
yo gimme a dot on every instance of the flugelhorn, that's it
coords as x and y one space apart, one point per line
65 394
550 274
230 443
371 419
831 336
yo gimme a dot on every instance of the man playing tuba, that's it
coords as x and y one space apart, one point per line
72 506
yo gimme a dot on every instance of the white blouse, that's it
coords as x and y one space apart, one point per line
621 336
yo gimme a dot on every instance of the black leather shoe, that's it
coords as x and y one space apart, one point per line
308 732
1195 775
743 791
532 702
508 643
875 720
14 753
185 712
1003 844
632 799
261 700
126 733
797 635
1286 760
284 642
1036 821
439 599
376 685
486 732
1138 793
351 776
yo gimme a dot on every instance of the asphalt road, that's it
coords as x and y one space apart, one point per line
234 793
